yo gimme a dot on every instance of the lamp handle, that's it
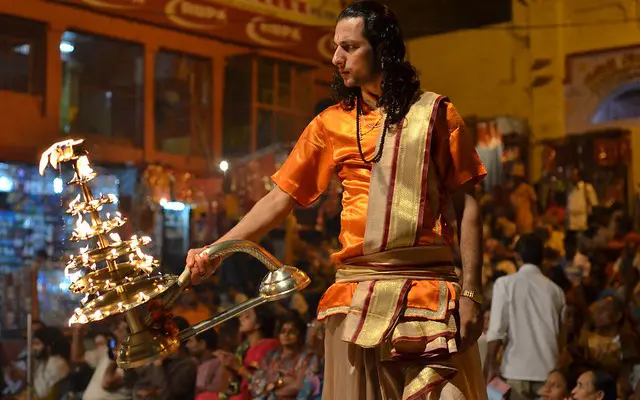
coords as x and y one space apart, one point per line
222 250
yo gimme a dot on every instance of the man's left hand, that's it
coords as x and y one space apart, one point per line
471 322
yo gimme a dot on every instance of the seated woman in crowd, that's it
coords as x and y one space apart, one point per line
558 385
282 372
256 326
595 385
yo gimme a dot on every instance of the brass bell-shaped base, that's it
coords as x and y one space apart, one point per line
145 347
283 282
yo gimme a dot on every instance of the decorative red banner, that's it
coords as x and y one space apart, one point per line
220 21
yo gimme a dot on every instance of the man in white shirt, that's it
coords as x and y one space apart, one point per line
581 198
526 312
107 381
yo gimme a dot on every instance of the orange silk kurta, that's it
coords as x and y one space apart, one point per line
328 145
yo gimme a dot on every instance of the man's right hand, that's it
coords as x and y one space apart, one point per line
201 265
491 371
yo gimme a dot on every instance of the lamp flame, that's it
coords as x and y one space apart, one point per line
74 201
84 170
83 228
57 153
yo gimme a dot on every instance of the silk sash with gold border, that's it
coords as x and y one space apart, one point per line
397 197
398 186
377 314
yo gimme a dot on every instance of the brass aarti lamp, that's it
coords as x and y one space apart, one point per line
117 277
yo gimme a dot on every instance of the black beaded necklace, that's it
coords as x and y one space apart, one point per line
378 155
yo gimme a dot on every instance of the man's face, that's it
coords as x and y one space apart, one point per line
195 347
575 175
38 348
353 56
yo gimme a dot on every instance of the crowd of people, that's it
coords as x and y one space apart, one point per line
562 313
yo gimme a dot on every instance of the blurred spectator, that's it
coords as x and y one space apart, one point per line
573 331
15 372
523 199
313 382
525 318
282 372
577 266
232 296
611 345
595 385
50 351
581 198
558 385
107 382
210 375
257 326
173 378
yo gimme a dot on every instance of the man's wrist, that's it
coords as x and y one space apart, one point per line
473 294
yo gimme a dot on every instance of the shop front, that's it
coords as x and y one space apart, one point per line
34 239
602 116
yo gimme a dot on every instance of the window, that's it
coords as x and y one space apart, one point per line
283 103
22 55
236 139
102 87
183 113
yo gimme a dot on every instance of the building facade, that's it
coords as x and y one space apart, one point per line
569 68
182 83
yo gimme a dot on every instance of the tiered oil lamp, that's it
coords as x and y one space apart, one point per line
117 277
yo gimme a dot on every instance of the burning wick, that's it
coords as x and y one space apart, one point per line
116 238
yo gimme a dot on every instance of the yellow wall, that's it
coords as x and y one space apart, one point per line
480 71
490 72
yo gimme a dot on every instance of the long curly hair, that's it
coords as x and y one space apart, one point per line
400 82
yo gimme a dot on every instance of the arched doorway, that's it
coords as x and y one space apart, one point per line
623 103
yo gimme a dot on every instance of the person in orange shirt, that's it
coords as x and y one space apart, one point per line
399 323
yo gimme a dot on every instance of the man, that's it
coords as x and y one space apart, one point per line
15 373
526 311
581 198
524 201
107 381
404 161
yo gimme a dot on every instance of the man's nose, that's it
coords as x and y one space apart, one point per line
338 57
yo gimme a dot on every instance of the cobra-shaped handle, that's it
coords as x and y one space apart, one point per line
222 250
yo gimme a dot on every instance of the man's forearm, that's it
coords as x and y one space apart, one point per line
491 361
267 214
471 244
